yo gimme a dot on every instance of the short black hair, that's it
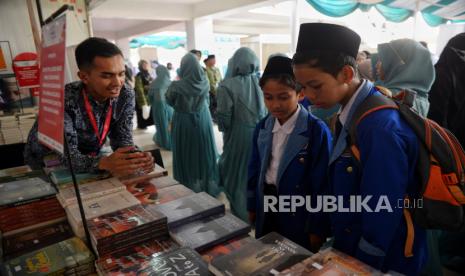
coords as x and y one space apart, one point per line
367 53
284 79
195 52
93 47
328 61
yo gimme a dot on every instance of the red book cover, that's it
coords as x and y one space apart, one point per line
109 226
225 248
120 261
145 192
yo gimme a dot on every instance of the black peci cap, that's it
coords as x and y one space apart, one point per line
327 37
278 65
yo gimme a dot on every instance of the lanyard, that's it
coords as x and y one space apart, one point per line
106 126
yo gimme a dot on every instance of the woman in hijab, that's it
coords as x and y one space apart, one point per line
161 112
141 87
193 143
240 108
406 64
447 97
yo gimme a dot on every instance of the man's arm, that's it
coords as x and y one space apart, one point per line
121 130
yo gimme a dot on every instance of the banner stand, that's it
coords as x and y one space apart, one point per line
66 152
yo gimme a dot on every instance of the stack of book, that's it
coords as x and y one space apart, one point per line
125 228
28 241
133 258
270 254
330 262
190 208
10 130
181 261
26 121
97 207
28 203
18 173
67 196
62 178
68 257
205 233
225 248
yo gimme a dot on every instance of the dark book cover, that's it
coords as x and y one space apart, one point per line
118 261
54 259
110 226
179 262
225 248
163 182
189 208
26 223
22 243
330 262
208 232
145 192
23 191
270 254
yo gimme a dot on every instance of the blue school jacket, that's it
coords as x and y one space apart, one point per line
388 155
302 171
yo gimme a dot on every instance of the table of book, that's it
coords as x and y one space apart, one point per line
141 225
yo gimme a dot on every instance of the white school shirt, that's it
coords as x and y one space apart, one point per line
280 136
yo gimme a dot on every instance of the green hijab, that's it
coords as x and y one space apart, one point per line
193 78
159 86
406 65
242 79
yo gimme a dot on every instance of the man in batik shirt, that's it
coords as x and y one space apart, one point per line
97 107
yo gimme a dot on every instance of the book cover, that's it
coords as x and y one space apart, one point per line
90 190
57 258
182 261
61 176
119 261
15 171
171 193
203 234
270 254
225 248
330 262
22 243
186 209
103 205
163 182
110 226
157 172
23 191
145 192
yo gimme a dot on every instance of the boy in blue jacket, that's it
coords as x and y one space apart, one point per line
326 69
290 154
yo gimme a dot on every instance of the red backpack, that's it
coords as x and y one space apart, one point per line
440 166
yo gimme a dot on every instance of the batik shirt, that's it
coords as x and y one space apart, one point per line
84 146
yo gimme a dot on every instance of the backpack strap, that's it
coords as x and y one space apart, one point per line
371 104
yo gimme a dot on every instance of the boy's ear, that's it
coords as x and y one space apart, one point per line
347 74
300 95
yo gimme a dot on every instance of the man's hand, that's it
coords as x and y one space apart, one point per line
124 162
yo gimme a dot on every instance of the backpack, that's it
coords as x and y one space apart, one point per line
440 166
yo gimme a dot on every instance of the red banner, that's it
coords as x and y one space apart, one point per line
52 82
26 68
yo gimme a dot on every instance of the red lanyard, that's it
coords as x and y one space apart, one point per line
106 126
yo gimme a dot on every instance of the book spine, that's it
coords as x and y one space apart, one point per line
20 203
125 244
206 213
121 235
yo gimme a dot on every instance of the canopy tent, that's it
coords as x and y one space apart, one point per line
434 12
168 42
